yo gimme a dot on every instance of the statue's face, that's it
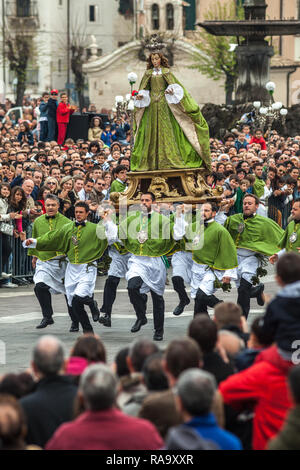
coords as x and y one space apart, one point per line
156 61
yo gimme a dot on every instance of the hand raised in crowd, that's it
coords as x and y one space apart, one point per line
15 215
64 193
33 262
22 236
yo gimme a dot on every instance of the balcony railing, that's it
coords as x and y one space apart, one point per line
21 9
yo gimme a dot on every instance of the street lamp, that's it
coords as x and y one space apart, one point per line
132 78
266 114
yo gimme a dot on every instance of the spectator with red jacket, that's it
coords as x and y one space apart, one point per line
63 113
264 385
258 139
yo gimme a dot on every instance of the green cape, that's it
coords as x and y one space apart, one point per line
261 235
159 228
80 244
285 240
218 250
176 134
41 226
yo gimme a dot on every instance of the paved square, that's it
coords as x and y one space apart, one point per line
20 314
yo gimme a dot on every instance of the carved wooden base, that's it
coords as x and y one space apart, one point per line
184 185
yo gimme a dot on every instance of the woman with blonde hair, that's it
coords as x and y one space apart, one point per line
52 184
66 196
11 173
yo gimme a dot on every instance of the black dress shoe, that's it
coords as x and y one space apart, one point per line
106 321
74 327
179 309
158 336
258 292
138 325
95 310
45 322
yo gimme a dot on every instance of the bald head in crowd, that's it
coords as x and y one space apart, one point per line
48 357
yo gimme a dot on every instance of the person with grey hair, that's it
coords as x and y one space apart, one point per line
195 393
102 426
51 403
50 266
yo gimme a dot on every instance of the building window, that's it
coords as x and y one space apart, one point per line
23 8
59 65
60 3
170 16
92 13
155 16
298 8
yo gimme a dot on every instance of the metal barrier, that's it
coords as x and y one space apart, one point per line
19 264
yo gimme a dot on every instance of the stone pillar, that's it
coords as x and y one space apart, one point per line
253 66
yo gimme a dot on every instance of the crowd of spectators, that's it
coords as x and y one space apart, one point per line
33 164
36 159
220 387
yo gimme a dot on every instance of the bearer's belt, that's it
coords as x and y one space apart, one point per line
60 259
91 263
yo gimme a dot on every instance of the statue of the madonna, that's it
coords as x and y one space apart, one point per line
170 131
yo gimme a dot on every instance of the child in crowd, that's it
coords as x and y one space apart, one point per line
240 194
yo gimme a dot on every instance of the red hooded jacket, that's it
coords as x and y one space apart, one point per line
264 384
260 141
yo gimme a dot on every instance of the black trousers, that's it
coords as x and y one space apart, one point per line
244 295
42 292
139 302
179 287
6 242
202 301
80 314
109 294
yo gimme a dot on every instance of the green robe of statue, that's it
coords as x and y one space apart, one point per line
286 242
80 244
169 135
43 225
159 231
217 249
259 234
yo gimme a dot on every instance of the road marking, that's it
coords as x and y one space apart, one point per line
27 317
8 295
